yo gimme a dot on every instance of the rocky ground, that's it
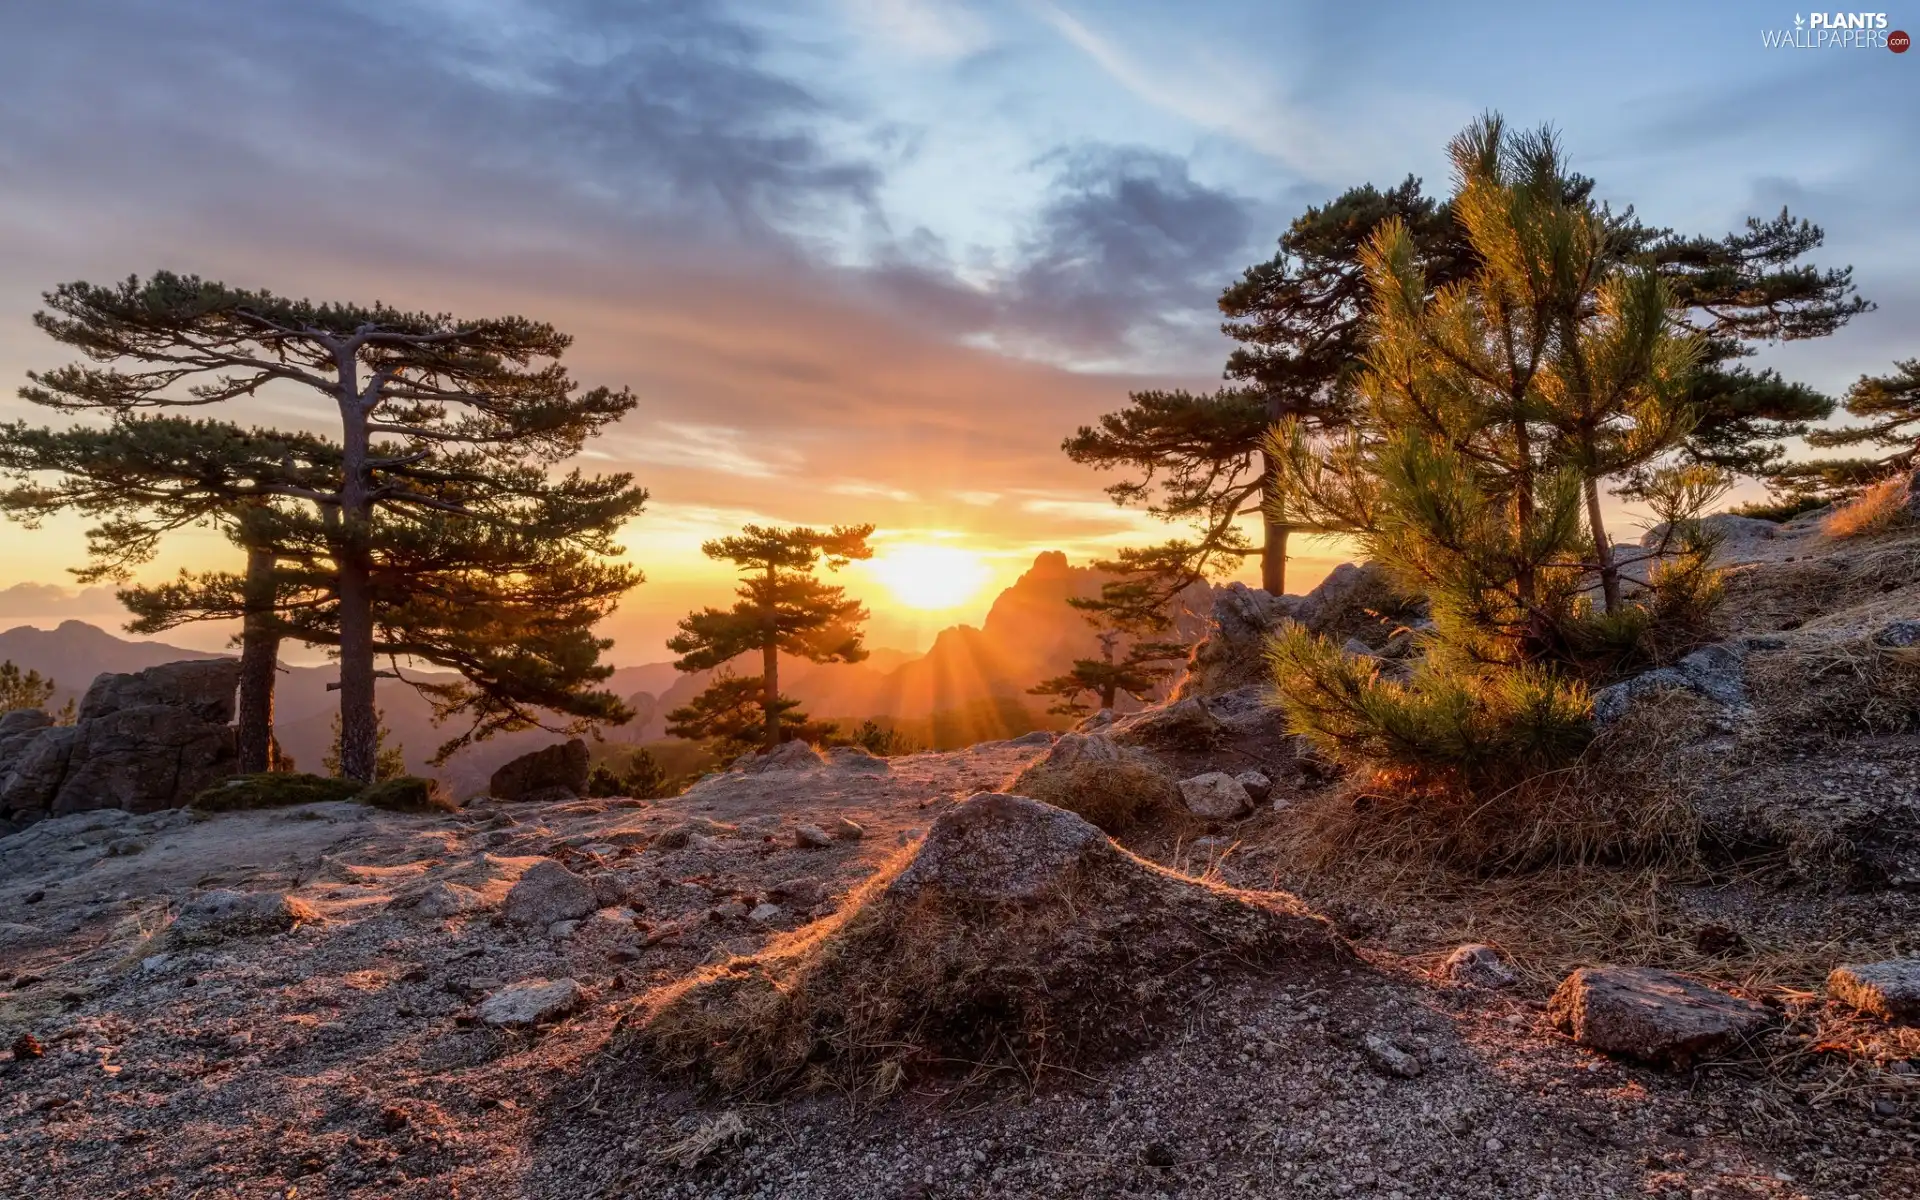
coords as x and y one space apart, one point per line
340 1042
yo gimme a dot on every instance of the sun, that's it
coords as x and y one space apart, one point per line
929 577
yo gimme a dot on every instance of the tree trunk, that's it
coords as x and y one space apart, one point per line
359 725
770 669
1273 553
259 654
1602 549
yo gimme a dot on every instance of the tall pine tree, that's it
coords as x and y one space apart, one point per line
430 410
782 608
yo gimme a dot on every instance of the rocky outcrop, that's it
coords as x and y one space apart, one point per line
1353 601
1654 1016
1716 672
1215 796
538 775
1113 786
144 741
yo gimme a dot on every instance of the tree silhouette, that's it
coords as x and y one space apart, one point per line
782 608
434 414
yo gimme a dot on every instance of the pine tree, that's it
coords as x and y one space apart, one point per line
1890 407
731 714
1492 410
783 608
432 412
147 476
389 761
643 779
20 690
1129 613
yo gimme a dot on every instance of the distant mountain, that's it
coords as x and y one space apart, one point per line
971 683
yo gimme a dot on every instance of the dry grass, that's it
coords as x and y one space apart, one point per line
1116 796
1817 692
1625 799
1880 508
896 986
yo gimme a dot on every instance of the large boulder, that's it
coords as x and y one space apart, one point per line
547 893
1654 1016
144 741
562 765
1016 935
143 759
205 688
1233 653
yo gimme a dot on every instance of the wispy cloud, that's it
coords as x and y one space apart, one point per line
922 28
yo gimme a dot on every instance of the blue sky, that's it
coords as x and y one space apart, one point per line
872 259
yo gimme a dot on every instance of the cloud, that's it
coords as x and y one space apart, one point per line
922 28
47 601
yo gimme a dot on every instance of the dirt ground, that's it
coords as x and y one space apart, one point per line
344 1057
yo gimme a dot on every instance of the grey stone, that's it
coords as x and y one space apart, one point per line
221 914
1186 724
531 1002
546 893
801 893
791 756
1716 672
997 847
1259 787
764 914
1478 965
856 758
561 765
205 688
1038 737
441 900
1216 796
29 788
1388 1059
1888 990
1899 635
1231 654
1654 1016
811 837
840 829
142 759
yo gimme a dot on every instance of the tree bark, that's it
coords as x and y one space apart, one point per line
359 726
259 655
770 670
1602 549
1273 553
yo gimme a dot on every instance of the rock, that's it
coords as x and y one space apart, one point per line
678 837
557 794
563 764
732 910
1477 965
1888 990
856 758
611 889
273 789
1040 737
1388 1059
801 893
811 837
1095 722
1232 654
1897 636
1716 672
1654 1016
532 1002
840 829
143 759
1075 748
994 846
18 729
1216 795
442 900
1259 787
1180 725
764 914
546 893
28 789
202 688
791 756
221 914
125 847
1116 787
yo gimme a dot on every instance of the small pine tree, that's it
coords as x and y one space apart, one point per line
1889 406
730 716
643 779
783 608
23 690
390 761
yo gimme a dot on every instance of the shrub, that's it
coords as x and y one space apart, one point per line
1876 510
273 789
1116 796
408 793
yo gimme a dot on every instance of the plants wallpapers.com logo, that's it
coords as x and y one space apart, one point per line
1837 31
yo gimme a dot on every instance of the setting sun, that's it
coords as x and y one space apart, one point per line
929 577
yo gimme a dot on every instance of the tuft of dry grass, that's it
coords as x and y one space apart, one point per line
1625 799
898 986
1878 509
1818 691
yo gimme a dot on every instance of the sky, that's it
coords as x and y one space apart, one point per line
868 260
